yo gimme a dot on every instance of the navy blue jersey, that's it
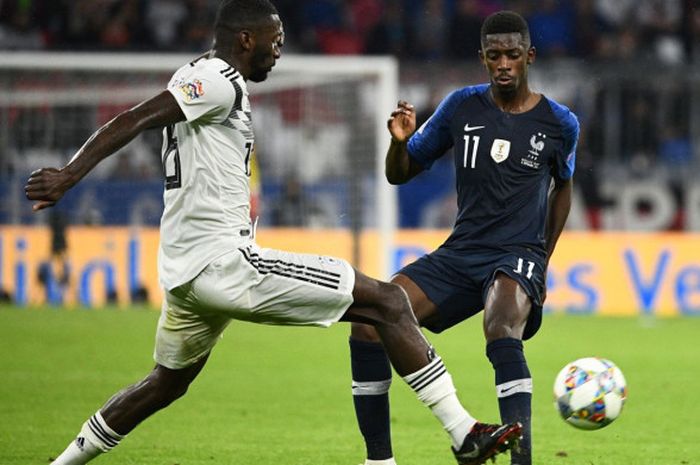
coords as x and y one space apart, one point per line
504 164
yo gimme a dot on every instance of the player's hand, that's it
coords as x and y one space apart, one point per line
402 122
46 186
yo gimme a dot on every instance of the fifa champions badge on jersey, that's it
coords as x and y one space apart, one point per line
500 150
192 90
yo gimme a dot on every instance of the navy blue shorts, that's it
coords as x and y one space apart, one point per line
458 281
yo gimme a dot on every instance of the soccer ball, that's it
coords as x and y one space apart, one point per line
589 393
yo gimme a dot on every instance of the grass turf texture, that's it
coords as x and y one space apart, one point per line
281 395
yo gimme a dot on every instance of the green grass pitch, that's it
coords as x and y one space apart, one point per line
282 395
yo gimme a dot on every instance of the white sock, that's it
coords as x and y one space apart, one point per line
94 438
434 387
390 461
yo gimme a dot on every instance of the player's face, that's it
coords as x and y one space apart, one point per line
269 40
506 57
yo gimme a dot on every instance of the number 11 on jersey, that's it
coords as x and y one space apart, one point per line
530 268
474 147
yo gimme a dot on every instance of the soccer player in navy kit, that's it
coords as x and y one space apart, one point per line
514 153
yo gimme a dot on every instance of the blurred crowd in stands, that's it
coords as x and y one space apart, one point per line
630 115
413 29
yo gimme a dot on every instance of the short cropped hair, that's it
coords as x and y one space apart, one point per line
504 22
235 15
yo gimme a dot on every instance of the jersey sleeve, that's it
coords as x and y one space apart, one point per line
433 138
566 161
205 95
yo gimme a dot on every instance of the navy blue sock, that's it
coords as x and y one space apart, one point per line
514 390
371 378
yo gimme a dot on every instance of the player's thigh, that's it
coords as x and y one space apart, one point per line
513 294
271 286
507 298
184 335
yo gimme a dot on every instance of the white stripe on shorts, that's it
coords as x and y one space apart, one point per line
291 270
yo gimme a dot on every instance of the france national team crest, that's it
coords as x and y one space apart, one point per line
192 90
500 150
536 146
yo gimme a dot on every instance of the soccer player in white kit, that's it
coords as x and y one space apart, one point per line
210 267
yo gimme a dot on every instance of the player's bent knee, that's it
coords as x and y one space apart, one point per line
395 306
499 328
379 303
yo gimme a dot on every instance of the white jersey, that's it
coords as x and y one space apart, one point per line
206 163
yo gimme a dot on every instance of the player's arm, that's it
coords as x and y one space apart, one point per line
47 185
558 212
563 173
399 166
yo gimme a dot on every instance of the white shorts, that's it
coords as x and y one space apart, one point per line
253 284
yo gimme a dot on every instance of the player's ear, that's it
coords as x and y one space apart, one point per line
531 54
247 39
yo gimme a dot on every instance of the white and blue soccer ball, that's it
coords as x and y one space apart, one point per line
589 393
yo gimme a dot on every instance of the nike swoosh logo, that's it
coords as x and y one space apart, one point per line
508 389
468 128
498 431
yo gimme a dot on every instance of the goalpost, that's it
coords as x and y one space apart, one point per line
320 125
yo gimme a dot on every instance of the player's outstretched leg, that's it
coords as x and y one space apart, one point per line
125 410
386 307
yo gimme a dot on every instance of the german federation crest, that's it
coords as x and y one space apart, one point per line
500 150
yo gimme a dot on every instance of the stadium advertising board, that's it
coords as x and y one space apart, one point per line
591 273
